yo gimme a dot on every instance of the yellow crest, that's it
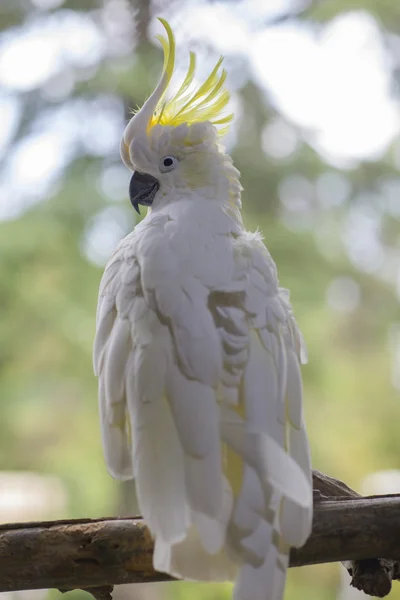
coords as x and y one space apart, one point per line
188 104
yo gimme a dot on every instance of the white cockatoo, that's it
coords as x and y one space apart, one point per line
198 353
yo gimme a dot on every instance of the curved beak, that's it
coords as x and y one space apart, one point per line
142 189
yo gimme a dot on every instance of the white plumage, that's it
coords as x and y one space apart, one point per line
198 358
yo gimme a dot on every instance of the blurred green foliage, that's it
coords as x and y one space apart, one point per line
48 295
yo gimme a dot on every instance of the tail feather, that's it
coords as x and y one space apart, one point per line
255 546
265 581
189 560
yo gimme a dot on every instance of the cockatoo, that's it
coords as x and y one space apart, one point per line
198 355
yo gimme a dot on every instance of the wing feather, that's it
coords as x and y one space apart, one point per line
195 412
110 356
115 437
196 338
118 350
157 453
196 416
105 322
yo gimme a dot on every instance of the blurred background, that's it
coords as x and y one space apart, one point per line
315 87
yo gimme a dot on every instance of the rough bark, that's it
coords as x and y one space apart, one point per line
97 554
373 576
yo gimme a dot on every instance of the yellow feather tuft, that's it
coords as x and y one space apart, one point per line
207 103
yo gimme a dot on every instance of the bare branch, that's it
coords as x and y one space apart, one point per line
101 553
373 576
330 487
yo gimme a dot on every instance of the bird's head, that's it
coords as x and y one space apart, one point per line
171 143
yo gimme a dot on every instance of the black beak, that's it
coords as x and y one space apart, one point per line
142 189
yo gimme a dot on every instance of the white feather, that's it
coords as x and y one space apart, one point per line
262 582
115 439
118 350
273 465
195 412
212 531
160 484
105 319
250 506
204 484
190 561
294 390
197 342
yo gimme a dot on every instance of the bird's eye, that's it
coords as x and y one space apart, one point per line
168 163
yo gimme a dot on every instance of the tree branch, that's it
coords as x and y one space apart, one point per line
373 576
97 554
